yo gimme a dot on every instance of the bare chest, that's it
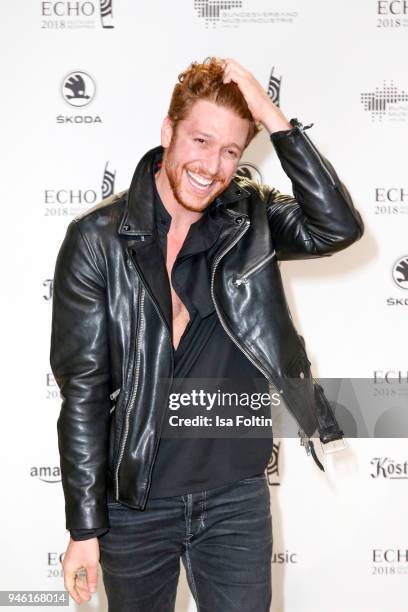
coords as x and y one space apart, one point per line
180 313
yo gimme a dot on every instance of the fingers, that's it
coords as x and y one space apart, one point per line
82 590
83 587
228 71
232 71
227 76
80 587
71 583
92 579
229 63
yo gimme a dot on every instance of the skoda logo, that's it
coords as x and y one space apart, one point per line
78 88
249 171
400 272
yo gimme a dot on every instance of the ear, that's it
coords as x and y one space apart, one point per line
166 132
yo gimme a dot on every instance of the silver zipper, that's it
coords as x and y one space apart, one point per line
134 264
135 385
325 170
243 279
115 393
113 396
243 349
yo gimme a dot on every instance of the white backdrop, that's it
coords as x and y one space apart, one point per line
340 537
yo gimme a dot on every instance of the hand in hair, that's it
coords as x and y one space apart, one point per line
259 103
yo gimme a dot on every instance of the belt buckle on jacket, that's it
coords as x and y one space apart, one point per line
334 446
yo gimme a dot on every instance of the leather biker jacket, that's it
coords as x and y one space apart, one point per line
111 337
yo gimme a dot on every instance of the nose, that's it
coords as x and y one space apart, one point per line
211 163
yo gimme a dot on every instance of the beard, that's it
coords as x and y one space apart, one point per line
177 177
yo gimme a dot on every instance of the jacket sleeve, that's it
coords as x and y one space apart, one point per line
79 359
320 218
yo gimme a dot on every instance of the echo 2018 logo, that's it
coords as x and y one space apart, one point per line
71 15
70 201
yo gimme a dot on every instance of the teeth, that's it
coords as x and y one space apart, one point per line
198 179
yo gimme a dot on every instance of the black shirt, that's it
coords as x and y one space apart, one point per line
205 351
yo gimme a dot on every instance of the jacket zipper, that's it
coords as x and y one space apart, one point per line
243 349
243 279
132 263
134 388
113 397
115 393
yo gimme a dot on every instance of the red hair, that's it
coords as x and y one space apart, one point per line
204 82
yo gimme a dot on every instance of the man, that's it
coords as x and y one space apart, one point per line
178 278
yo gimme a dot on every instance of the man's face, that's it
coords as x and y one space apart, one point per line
203 153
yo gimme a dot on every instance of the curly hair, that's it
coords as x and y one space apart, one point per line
205 82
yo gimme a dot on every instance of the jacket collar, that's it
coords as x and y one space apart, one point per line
138 217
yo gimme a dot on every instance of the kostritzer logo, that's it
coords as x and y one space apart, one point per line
384 467
272 469
400 272
249 171
78 88
274 87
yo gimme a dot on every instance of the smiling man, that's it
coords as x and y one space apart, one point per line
188 179
177 279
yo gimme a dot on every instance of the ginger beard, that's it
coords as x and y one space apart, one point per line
187 194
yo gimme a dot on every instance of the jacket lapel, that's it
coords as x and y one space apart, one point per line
151 267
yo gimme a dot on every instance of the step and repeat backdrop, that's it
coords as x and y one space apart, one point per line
86 85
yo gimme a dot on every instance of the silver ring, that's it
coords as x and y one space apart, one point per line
81 572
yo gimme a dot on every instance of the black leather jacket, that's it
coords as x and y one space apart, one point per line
111 340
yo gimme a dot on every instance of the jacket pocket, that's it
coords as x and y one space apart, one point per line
243 278
298 368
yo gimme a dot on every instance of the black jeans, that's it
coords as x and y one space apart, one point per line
223 536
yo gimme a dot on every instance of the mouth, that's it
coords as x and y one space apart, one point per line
199 183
